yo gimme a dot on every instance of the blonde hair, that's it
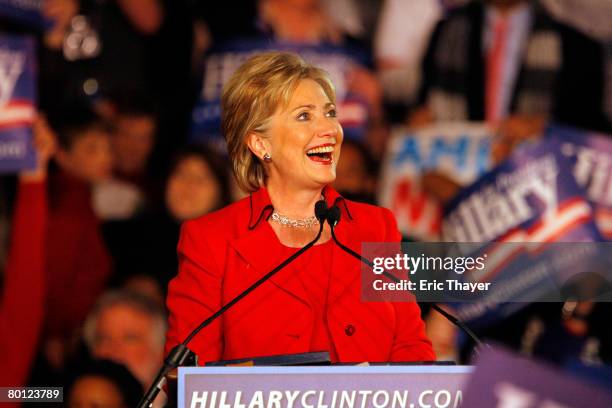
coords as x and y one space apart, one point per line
261 85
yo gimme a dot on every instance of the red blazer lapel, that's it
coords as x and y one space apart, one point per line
257 248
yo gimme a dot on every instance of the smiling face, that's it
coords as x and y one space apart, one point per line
303 140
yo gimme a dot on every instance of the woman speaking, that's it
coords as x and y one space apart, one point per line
283 137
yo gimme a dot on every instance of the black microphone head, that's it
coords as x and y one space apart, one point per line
333 215
321 211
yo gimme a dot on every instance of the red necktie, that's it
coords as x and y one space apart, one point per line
495 64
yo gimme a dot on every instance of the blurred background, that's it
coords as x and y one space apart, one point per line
109 139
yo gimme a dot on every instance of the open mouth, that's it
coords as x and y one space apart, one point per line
321 154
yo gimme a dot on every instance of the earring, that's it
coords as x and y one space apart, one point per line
267 158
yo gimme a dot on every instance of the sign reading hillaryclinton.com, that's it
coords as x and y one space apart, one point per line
323 387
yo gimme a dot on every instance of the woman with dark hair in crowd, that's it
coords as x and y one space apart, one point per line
356 173
144 248
102 383
197 183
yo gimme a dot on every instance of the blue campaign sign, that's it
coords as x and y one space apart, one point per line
515 211
591 155
223 59
505 380
459 150
27 12
17 102
517 199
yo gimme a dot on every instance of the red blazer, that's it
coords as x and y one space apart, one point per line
222 253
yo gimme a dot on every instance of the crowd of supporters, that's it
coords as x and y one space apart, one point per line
88 238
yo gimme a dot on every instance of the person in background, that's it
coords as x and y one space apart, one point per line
23 285
591 17
101 49
133 141
144 248
132 189
299 21
510 64
400 42
97 48
197 184
507 62
60 13
77 260
356 173
146 285
102 383
309 22
303 27
130 329
403 30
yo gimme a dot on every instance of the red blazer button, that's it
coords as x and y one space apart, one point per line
349 330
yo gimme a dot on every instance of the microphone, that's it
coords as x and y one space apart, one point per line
333 218
321 211
181 353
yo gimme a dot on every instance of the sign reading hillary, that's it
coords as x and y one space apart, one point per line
223 60
17 99
515 212
591 154
503 380
28 12
460 151
516 200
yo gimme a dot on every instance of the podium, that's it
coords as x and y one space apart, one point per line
388 386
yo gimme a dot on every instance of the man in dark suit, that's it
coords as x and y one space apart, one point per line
511 64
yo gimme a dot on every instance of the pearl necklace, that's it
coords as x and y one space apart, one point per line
292 223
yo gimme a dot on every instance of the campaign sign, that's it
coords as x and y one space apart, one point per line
458 150
223 60
531 201
323 387
17 103
503 380
24 11
591 154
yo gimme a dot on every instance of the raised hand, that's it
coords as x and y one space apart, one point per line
60 12
45 143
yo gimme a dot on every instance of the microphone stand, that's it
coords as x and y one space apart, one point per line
181 353
333 217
